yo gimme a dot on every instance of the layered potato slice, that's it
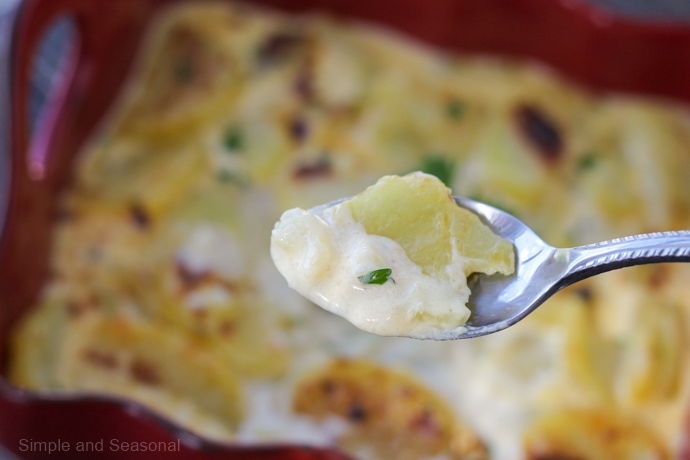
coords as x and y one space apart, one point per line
631 174
418 212
103 247
94 343
190 80
225 312
388 412
38 339
149 180
172 373
602 349
592 434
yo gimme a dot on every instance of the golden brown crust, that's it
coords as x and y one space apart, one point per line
596 434
387 410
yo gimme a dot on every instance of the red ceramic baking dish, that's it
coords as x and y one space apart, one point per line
588 44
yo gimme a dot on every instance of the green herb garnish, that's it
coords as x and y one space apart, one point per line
587 162
439 166
455 109
232 139
379 276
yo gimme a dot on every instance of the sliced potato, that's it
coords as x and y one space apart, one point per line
598 434
171 373
388 411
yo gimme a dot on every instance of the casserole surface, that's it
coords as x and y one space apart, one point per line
180 192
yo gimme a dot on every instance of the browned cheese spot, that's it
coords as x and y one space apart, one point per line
139 216
189 279
280 47
319 168
144 372
540 131
101 359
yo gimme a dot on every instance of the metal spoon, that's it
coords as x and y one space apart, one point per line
498 302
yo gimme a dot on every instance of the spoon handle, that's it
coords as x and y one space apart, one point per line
649 248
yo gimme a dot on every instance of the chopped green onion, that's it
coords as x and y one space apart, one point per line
439 166
455 109
232 139
587 162
379 276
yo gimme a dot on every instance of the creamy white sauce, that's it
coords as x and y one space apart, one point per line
213 296
322 253
210 248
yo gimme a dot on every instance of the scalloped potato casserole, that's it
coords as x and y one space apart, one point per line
164 291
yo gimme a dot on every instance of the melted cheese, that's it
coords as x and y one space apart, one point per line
322 255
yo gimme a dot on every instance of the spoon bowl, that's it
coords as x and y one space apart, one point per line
498 302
